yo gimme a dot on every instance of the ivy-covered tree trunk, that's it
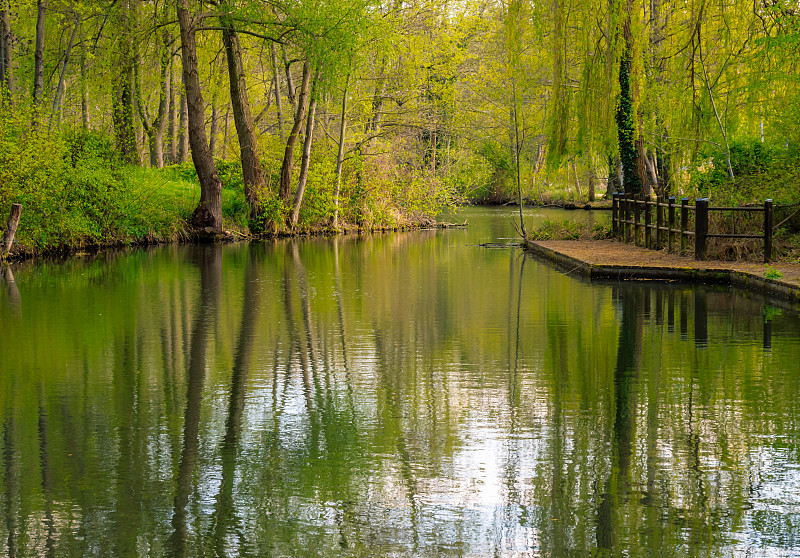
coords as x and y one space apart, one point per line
123 88
631 182
208 214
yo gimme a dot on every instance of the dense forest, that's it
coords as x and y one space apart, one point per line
128 120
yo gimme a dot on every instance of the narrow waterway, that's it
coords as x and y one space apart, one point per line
424 393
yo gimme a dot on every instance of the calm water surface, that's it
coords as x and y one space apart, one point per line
408 394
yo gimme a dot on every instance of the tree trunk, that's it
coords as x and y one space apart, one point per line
6 75
155 132
11 229
288 154
304 164
242 118
212 139
631 181
84 87
340 153
278 100
225 131
208 214
377 100
641 166
123 102
183 127
172 125
60 88
38 58
287 66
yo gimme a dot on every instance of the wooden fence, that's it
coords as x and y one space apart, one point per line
675 223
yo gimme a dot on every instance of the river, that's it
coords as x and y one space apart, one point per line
426 393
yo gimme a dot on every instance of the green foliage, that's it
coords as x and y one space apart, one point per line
273 210
75 191
499 185
761 170
230 173
772 273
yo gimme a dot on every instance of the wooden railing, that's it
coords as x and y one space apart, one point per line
675 224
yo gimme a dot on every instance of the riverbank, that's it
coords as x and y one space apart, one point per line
22 253
609 259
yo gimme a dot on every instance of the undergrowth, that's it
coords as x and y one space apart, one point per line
570 230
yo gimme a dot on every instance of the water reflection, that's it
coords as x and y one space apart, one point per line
393 396
209 262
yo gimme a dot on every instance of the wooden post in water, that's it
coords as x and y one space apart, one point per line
627 213
700 318
700 228
768 217
11 229
684 223
684 324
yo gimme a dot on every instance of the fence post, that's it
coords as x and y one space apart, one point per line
684 223
637 215
627 199
700 228
648 234
659 222
768 217
614 209
670 222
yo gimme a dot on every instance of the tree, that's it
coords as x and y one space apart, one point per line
626 117
123 88
156 126
6 70
208 214
245 129
299 115
38 63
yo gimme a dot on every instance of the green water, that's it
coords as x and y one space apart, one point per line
407 394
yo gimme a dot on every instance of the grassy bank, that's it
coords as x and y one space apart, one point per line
76 193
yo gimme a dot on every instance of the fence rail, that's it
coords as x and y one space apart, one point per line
632 221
